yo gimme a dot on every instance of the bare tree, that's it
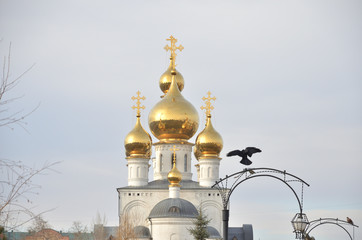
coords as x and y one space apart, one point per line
16 190
16 186
98 227
129 222
8 82
38 224
80 231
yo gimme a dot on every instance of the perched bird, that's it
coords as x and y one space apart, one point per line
244 154
349 221
307 237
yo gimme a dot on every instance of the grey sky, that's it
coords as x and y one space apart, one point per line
286 74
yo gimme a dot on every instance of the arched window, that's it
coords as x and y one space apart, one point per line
174 209
172 157
209 172
160 164
185 163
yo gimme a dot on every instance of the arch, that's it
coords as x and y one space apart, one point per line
323 221
211 207
266 175
138 209
173 236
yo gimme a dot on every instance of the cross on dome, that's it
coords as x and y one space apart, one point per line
138 103
173 49
208 106
174 149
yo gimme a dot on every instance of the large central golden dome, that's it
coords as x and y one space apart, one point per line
173 118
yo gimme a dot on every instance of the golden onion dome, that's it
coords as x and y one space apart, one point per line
209 142
138 143
173 118
166 79
174 176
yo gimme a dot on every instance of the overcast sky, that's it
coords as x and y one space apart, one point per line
287 76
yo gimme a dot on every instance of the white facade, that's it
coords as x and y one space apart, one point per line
162 163
140 202
208 171
137 171
138 199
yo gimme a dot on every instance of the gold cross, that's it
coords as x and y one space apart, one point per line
174 149
138 103
173 49
208 106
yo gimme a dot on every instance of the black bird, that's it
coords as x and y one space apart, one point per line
244 154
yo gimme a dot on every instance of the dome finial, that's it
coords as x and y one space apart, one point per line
208 106
173 49
174 176
138 103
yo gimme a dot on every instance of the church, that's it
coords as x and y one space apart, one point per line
166 206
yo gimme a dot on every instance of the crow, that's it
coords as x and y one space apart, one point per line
249 151
349 221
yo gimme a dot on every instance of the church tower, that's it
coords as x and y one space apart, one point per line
173 121
209 144
138 145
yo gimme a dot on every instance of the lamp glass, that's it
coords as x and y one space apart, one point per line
300 222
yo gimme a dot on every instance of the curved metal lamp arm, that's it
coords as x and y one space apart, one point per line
318 222
250 173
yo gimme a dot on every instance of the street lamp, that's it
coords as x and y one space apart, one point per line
300 223
250 173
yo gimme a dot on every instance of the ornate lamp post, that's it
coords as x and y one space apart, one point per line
300 223
249 173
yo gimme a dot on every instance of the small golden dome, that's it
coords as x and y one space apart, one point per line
174 176
173 118
138 143
209 142
166 79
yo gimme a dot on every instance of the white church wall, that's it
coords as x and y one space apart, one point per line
211 202
163 161
171 228
210 199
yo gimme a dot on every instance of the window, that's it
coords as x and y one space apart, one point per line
160 163
174 209
185 163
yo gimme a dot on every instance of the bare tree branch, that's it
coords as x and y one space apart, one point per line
16 189
8 83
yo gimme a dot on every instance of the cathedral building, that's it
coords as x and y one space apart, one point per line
166 206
